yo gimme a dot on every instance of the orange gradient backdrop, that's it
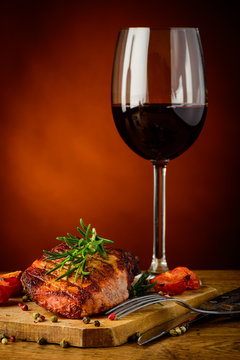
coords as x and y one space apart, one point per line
61 155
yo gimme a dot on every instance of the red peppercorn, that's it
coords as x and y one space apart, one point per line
112 316
12 338
25 307
42 317
20 304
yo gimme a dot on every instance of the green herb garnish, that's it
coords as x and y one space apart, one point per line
142 286
80 247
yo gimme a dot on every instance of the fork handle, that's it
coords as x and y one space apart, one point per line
203 311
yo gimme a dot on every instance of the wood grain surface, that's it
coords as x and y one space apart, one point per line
216 339
13 320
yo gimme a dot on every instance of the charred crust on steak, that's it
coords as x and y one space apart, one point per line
32 279
127 259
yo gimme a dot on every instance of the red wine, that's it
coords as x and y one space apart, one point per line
159 132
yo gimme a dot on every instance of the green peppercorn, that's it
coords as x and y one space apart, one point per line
86 319
2 336
41 341
64 344
25 298
96 323
36 315
54 318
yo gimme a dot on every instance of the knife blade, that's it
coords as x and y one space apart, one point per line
227 301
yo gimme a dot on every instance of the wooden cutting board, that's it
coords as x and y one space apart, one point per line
13 320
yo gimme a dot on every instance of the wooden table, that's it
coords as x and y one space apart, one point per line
215 339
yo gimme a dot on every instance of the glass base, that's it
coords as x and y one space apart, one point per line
158 266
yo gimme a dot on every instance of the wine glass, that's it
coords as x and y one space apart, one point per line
159 105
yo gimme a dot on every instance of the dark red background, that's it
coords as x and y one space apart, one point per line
62 158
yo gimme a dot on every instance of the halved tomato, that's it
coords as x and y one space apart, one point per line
193 282
10 285
176 281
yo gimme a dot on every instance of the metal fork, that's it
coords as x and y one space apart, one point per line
131 305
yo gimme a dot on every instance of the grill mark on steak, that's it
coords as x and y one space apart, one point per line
81 296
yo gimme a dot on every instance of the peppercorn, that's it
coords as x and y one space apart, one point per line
12 338
25 298
112 316
41 341
24 307
54 318
4 341
96 323
36 315
20 304
64 344
173 332
86 319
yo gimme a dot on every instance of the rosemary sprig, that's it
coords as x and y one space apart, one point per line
80 247
142 286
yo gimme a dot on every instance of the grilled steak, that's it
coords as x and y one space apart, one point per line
107 284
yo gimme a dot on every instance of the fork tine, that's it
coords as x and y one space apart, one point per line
133 308
130 302
123 304
134 304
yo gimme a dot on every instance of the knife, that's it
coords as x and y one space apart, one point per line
228 301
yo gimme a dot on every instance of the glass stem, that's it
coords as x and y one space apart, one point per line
159 263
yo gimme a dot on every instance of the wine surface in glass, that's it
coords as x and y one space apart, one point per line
159 132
